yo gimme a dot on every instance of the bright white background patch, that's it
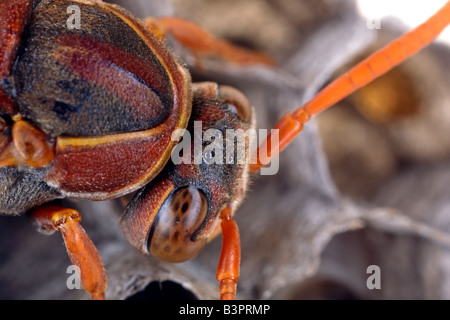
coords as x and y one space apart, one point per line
411 12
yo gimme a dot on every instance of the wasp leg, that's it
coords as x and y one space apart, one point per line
230 257
201 44
80 248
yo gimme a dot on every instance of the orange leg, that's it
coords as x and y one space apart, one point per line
230 258
371 68
201 43
80 248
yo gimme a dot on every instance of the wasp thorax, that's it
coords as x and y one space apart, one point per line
173 237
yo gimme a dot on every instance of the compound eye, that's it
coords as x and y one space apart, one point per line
173 238
237 101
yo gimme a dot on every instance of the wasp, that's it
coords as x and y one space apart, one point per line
95 112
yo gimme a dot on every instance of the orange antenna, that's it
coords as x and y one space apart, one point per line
366 71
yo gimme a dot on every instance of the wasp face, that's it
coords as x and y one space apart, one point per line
208 172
